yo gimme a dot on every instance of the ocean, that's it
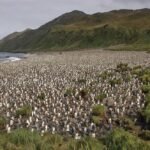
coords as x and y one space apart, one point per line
10 57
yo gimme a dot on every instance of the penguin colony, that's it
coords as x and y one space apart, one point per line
59 91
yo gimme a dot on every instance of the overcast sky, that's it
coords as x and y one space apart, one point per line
17 15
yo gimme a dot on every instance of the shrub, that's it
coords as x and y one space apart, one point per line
146 89
126 78
82 81
137 71
101 96
114 82
41 96
83 93
96 119
79 145
128 124
105 75
68 92
3 140
145 78
122 67
122 140
147 98
137 67
98 113
50 142
2 123
86 144
95 144
146 113
145 135
24 137
25 111
99 110
10 146
53 139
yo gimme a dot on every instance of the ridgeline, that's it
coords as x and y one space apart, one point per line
115 30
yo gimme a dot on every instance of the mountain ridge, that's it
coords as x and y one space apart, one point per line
77 30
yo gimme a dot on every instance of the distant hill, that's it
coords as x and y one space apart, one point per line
118 29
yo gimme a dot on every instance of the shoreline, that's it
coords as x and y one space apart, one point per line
6 57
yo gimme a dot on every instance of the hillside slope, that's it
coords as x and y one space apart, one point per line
118 29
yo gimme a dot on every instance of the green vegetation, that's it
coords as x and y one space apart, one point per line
146 113
68 92
128 124
147 98
99 110
22 136
115 82
2 123
145 135
144 76
122 67
118 139
87 144
83 93
25 111
82 81
137 71
146 89
105 75
122 140
115 30
101 96
41 96
98 113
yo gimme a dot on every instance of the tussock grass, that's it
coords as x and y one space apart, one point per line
23 139
2 123
24 111
120 139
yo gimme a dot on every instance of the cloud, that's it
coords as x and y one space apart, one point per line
17 15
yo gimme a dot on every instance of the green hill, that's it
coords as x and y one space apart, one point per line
118 30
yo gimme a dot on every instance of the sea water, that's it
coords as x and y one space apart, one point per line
10 57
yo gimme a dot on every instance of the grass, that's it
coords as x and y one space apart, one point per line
147 98
2 123
41 96
122 140
21 139
98 113
145 135
105 75
123 67
24 111
24 137
144 76
101 96
99 110
146 113
68 92
118 139
114 82
130 47
146 89
128 124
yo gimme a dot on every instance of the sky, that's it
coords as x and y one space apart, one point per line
18 15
